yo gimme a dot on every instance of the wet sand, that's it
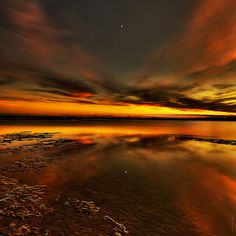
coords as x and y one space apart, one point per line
122 183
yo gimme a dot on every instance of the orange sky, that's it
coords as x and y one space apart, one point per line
166 59
63 108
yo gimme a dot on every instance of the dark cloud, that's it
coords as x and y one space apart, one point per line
223 86
6 80
197 69
174 97
34 40
174 54
147 25
15 98
208 40
69 85
221 71
52 91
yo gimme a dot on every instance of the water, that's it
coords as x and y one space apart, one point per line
142 174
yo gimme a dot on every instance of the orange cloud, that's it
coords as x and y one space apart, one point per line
50 68
82 95
198 68
37 40
210 38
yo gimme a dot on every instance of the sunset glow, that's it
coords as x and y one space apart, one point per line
118 117
57 59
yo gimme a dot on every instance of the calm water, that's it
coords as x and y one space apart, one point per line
144 176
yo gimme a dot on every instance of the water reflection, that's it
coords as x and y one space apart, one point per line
218 129
156 183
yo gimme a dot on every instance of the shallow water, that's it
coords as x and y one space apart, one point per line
215 129
142 174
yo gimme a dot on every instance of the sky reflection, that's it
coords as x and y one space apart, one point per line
157 182
146 176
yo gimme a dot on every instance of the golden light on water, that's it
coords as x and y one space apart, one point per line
221 129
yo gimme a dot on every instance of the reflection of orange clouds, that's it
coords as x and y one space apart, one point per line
229 188
207 200
202 223
82 166
84 140
74 129
51 176
87 166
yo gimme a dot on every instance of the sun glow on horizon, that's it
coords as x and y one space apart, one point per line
66 108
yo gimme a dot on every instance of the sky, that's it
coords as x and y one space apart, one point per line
120 58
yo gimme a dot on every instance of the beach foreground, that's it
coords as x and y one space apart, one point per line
167 178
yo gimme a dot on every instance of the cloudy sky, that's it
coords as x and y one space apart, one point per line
126 57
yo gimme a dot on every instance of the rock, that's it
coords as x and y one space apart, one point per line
117 234
21 201
26 135
23 230
211 140
13 224
120 228
83 206
47 232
